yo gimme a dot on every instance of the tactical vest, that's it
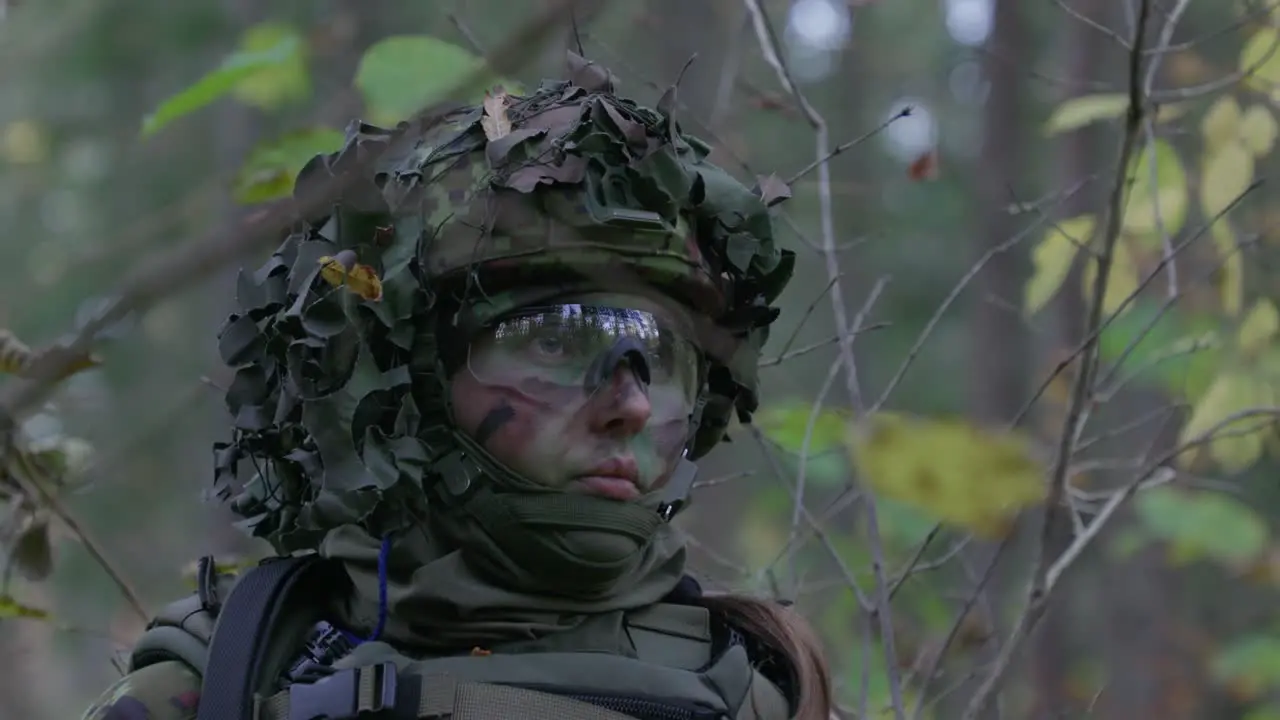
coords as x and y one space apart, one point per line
265 653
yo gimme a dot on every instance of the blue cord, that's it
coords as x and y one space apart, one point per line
383 553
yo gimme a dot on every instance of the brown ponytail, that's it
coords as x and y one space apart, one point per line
787 632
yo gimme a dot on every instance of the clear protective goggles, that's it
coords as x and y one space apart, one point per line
567 352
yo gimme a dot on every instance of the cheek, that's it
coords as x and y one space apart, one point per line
524 439
667 443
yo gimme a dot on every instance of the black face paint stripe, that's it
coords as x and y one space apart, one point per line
492 422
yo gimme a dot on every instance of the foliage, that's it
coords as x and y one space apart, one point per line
402 74
397 76
256 74
35 457
1217 353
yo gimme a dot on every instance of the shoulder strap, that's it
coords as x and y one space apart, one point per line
243 654
182 629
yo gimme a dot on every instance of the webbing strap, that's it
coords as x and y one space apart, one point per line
439 697
237 649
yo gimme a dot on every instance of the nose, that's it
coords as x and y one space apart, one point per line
621 406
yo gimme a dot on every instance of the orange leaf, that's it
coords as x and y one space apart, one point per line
359 279
924 167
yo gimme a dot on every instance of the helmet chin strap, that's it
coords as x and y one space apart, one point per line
675 495
676 492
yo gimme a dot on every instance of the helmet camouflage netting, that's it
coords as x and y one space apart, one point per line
339 401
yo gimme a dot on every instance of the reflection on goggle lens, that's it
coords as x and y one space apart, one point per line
546 350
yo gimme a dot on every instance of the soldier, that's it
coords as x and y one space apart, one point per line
468 398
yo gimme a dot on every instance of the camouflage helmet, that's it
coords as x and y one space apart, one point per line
340 400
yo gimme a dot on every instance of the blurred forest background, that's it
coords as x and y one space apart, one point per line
957 159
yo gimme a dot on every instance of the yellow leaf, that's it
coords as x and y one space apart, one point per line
360 279
1260 59
1162 188
1231 276
1122 280
1235 445
1227 174
11 608
495 121
1258 130
1221 124
1052 260
25 142
1259 326
953 470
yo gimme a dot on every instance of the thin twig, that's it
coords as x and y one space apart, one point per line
30 479
845 146
808 312
954 294
769 46
1038 590
1149 125
815 410
936 662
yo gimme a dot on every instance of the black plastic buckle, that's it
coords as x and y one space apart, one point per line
337 697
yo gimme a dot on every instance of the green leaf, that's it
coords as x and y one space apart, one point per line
1258 130
1260 60
1080 111
1227 174
270 171
1168 192
274 86
1234 445
1052 259
11 608
1259 327
902 524
1173 349
1221 123
1122 278
402 74
785 424
1087 109
1251 664
1231 274
233 71
1203 524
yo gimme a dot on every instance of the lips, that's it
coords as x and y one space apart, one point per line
617 479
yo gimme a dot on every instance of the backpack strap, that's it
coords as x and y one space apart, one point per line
252 640
360 692
181 631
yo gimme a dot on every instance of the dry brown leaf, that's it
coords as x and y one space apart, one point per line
495 121
924 167
360 279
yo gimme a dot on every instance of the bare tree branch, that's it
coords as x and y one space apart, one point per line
1039 588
